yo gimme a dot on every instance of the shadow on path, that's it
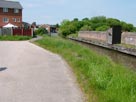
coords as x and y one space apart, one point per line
3 68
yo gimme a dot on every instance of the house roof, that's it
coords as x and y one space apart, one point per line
10 4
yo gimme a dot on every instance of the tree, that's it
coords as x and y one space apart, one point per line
127 27
102 28
113 22
134 29
98 22
57 25
98 19
41 31
77 24
86 21
130 27
86 28
75 19
65 22
69 27
33 24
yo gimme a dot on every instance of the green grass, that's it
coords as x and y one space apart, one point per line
100 79
73 35
14 38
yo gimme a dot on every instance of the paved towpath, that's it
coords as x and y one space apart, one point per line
33 74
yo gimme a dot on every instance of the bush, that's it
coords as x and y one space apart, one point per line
73 35
41 31
102 28
86 28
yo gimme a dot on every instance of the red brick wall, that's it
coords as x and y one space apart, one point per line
10 15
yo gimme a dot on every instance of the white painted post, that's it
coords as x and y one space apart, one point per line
0 31
12 31
32 30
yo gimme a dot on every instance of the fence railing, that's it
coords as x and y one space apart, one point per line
16 31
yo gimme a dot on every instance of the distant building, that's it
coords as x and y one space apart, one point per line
26 25
10 12
49 28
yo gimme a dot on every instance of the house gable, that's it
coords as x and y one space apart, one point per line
10 4
10 12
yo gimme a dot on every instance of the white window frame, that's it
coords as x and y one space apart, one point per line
18 19
16 10
5 9
14 19
5 20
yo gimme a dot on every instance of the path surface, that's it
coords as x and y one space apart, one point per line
34 75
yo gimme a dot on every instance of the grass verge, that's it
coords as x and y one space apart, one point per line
100 78
14 38
73 35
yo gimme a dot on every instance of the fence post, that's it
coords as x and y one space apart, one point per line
22 31
32 32
0 31
12 31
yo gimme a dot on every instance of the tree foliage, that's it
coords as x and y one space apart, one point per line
86 28
113 22
102 28
41 31
99 23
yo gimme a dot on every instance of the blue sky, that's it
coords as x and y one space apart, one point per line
54 11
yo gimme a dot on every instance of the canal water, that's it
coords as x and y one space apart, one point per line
119 58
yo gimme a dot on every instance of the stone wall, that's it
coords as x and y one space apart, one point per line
127 37
95 35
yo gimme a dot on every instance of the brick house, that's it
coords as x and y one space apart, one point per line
10 12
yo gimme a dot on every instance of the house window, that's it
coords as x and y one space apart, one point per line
5 20
5 9
18 20
16 10
14 19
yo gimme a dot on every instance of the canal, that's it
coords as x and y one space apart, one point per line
117 57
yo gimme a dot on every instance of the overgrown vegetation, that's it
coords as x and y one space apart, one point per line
14 38
100 78
41 31
73 35
99 23
127 46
